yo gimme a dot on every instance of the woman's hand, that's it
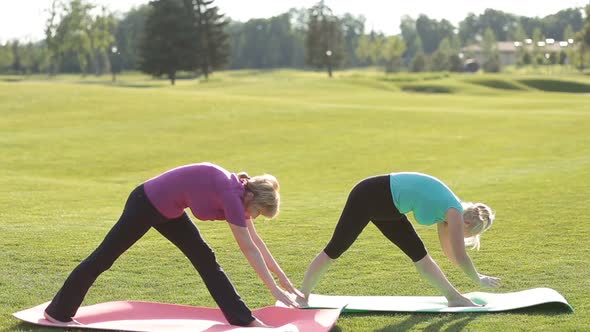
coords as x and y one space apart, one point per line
284 297
489 282
288 286
462 301
302 301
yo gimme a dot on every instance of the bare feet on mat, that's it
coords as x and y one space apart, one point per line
55 321
257 323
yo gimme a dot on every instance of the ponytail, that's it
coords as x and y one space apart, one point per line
481 217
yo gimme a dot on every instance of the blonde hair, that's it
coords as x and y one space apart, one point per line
480 217
266 193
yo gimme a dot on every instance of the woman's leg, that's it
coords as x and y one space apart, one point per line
185 235
402 234
354 218
393 224
132 225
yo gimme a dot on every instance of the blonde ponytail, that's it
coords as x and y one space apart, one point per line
480 217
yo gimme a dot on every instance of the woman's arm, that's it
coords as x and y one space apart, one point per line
445 244
270 261
252 253
315 271
458 252
431 272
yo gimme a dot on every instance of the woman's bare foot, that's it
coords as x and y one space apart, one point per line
257 323
55 321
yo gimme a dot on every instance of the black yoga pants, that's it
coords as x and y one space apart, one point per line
370 201
138 217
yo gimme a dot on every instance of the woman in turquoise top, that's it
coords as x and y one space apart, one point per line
384 200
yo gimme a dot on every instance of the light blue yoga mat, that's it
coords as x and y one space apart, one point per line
493 302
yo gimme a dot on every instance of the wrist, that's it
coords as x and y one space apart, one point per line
454 296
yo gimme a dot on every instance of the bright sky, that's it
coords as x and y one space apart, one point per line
24 19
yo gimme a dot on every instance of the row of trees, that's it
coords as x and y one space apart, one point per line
168 36
183 35
77 38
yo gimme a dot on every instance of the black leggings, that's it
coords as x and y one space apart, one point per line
371 200
138 217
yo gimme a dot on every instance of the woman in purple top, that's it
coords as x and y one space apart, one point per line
211 193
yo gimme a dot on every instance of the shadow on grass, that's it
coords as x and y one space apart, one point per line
556 85
11 79
497 84
545 309
406 78
454 321
28 327
122 84
427 88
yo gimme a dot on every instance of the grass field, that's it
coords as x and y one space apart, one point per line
72 149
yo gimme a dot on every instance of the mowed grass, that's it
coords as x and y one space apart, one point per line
72 149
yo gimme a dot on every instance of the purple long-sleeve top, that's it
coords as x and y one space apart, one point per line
211 193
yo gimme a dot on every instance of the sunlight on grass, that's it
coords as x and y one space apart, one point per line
73 148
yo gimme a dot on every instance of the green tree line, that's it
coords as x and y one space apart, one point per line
165 37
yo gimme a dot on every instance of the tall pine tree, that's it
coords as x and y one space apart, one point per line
183 35
169 43
324 41
212 44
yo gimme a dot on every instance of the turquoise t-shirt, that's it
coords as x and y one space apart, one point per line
424 195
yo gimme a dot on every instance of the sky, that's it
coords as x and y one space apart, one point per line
24 19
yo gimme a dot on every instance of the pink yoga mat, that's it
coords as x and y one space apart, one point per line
149 316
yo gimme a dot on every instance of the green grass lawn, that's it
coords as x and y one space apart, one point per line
72 149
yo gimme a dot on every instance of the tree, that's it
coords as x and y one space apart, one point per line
498 21
419 63
455 63
208 24
353 28
72 34
568 33
377 49
391 52
469 29
266 43
128 34
503 24
53 44
169 43
519 35
324 42
554 25
34 57
6 57
411 38
441 57
490 52
100 36
432 32
537 52
17 66
364 49
584 39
